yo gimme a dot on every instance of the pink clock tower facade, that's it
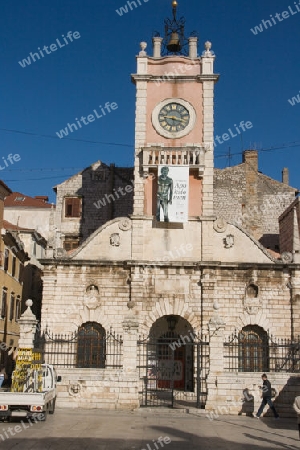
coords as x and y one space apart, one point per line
165 84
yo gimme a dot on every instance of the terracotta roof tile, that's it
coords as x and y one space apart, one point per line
11 227
18 199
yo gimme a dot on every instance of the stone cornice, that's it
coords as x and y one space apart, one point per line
189 264
258 244
209 77
175 78
144 77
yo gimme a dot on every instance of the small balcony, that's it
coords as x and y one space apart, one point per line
194 157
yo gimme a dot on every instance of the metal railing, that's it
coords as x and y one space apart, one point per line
74 350
249 352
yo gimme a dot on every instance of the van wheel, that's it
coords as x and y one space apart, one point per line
52 406
43 416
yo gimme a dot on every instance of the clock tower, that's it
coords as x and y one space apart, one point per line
173 136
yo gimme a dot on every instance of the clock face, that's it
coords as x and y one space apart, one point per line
173 117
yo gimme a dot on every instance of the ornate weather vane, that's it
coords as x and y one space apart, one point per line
174 41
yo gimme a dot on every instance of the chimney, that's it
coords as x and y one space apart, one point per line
285 176
42 198
250 197
250 157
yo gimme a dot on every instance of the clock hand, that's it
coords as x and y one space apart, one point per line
175 118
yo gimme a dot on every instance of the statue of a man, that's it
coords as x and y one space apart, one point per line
164 193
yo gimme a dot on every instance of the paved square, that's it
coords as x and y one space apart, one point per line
136 430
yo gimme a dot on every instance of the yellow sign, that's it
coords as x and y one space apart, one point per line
28 374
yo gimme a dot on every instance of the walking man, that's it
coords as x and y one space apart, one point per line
296 407
266 397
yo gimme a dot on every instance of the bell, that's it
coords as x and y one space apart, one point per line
174 43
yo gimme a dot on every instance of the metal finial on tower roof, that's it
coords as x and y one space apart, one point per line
174 6
174 41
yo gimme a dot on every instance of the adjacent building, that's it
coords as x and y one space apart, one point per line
29 212
13 259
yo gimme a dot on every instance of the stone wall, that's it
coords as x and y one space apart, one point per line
228 388
106 193
289 224
213 300
97 388
156 291
244 196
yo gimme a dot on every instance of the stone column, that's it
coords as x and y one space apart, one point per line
193 47
208 82
216 358
130 327
157 46
27 323
294 286
128 396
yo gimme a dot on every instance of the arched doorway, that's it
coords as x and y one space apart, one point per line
170 362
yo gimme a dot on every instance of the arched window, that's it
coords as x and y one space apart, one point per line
253 349
91 351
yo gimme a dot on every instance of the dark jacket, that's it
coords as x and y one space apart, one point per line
266 390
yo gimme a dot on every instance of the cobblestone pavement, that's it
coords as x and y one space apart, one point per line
140 430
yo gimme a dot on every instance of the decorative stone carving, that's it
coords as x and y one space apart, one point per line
208 146
131 304
220 225
92 297
252 304
114 240
207 51
130 323
125 224
143 46
252 291
74 389
287 257
228 241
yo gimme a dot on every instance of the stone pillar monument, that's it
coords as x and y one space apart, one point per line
27 323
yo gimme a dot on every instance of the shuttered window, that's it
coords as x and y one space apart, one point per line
4 303
72 207
12 306
71 243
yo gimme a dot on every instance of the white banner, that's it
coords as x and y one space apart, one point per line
172 194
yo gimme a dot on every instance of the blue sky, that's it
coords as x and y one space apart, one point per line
258 74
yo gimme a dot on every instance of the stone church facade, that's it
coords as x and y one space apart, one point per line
143 310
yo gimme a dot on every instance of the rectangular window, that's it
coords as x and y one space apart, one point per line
72 207
13 270
21 271
4 303
12 306
18 308
6 259
71 243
